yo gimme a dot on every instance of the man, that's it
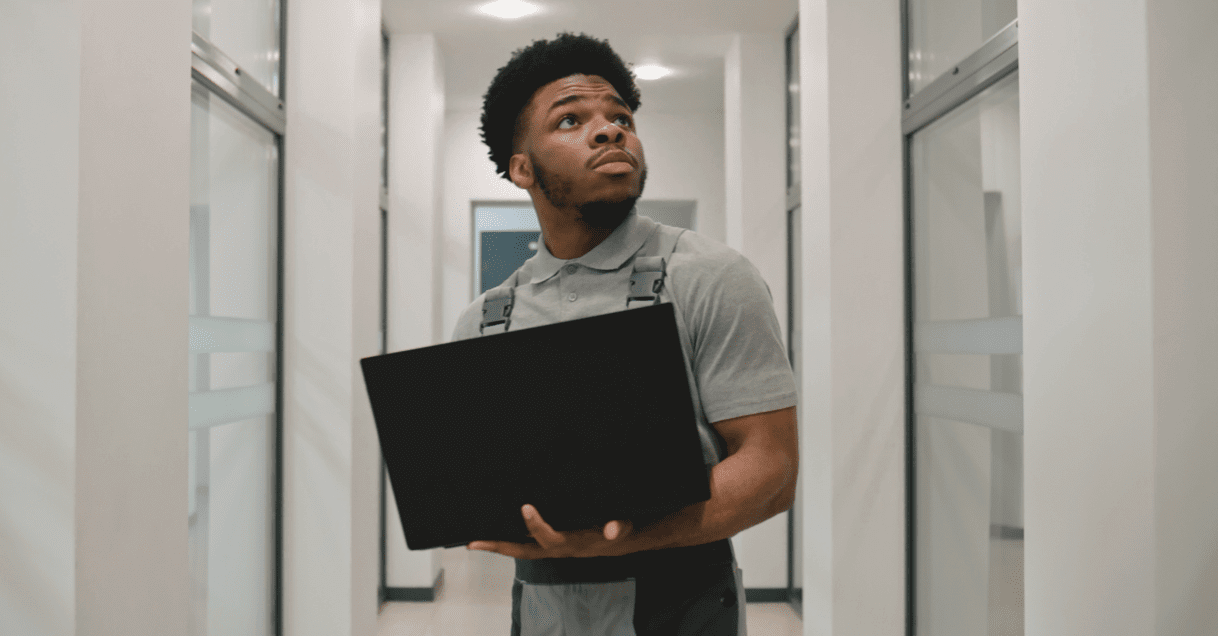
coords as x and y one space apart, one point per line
559 121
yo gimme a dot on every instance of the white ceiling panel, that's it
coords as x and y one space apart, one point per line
688 36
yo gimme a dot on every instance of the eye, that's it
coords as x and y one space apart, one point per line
625 120
565 119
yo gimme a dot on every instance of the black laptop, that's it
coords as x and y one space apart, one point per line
589 420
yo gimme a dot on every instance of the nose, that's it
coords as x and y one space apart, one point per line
610 133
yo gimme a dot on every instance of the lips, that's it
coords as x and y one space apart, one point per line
614 156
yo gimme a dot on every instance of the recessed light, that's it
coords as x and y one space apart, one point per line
508 9
651 72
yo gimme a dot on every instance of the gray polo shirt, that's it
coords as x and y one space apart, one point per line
731 335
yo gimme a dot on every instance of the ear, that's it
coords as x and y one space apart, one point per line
520 170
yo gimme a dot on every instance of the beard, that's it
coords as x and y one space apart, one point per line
601 215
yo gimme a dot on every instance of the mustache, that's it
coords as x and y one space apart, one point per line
597 157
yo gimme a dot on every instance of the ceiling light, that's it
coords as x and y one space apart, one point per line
651 72
508 9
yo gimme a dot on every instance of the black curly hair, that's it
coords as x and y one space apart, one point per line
536 65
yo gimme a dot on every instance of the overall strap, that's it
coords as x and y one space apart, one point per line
649 271
646 283
497 306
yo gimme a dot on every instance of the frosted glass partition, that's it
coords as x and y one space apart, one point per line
233 314
795 344
944 32
247 31
968 369
794 287
793 114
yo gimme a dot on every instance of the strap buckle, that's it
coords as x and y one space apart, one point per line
497 310
646 281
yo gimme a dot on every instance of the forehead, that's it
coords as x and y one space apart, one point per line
577 84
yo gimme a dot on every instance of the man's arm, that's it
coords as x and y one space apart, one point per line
753 483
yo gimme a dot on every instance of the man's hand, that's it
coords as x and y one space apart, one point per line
609 540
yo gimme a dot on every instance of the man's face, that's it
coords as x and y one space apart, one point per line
583 154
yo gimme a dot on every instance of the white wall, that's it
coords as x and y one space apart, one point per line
331 189
1088 319
1184 202
685 160
39 186
132 263
853 351
416 145
96 148
1120 238
754 106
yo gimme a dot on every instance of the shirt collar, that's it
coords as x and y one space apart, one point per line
613 252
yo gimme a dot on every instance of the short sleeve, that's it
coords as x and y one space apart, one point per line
738 353
467 322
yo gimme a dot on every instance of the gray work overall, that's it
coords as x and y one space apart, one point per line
672 592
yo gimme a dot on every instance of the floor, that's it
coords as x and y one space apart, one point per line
476 599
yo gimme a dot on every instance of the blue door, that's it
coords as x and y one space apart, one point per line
503 251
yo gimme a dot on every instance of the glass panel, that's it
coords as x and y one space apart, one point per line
988 335
241 542
214 335
384 111
794 317
794 321
233 306
793 163
223 406
247 31
967 298
944 32
966 226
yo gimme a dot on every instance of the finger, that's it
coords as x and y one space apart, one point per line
514 550
541 531
615 530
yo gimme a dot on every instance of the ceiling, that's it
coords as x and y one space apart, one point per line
689 36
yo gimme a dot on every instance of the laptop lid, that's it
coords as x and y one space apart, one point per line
589 420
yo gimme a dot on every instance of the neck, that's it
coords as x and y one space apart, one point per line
565 232
571 239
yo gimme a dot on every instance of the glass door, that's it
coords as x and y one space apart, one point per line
234 264
968 389
966 360
795 559
234 426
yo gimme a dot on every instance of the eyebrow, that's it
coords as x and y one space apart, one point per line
577 97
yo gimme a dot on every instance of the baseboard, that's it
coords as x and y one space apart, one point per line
765 595
418 594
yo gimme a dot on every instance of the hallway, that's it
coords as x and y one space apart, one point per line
475 599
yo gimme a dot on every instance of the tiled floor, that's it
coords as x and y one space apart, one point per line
476 600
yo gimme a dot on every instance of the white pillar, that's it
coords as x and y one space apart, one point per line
94 184
331 190
1184 204
852 441
132 306
416 140
39 196
754 109
1120 251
